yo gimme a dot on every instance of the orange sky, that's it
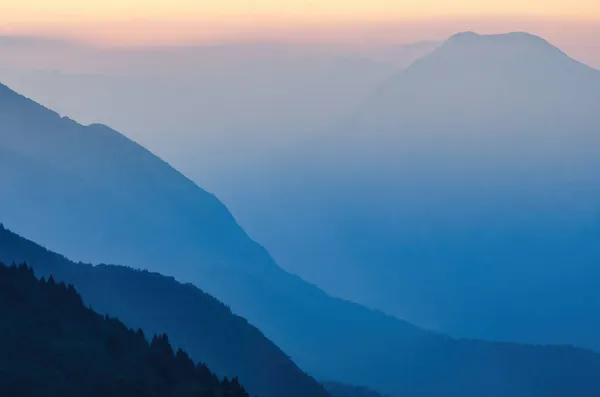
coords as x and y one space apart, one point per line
174 21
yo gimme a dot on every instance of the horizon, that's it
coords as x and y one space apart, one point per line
133 23
580 42
346 35
576 32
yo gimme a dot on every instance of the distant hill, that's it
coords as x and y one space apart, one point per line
194 320
461 196
52 345
474 79
96 196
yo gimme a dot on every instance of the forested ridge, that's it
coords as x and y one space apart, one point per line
52 345
194 320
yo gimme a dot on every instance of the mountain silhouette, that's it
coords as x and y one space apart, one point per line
201 324
461 196
53 345
96 196
473 79
227 343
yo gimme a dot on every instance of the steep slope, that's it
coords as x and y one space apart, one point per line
89 166
461 196
53 345
98 196
196 321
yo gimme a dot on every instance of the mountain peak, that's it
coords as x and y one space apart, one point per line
469 37
505 44
470 51
463 36
496 74
500 42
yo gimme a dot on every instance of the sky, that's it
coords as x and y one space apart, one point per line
119 22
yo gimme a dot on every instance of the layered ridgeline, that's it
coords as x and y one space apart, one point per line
156 304
201 325
462 196
52 345
93 194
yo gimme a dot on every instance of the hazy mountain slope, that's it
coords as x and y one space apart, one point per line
194 320
53 345
76 164
461 196
279 94
98 196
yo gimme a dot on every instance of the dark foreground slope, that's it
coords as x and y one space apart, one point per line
52 345
423 364
195 321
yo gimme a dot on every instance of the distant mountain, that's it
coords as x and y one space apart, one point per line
194 320
97 196
52 345
279 93
476 79
461 196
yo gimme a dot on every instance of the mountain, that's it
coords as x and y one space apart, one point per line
53 345
461 196
208 330
194 320
95 195
476 79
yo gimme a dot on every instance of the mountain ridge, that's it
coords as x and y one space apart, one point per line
193 319
577 366
52 344
123 204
